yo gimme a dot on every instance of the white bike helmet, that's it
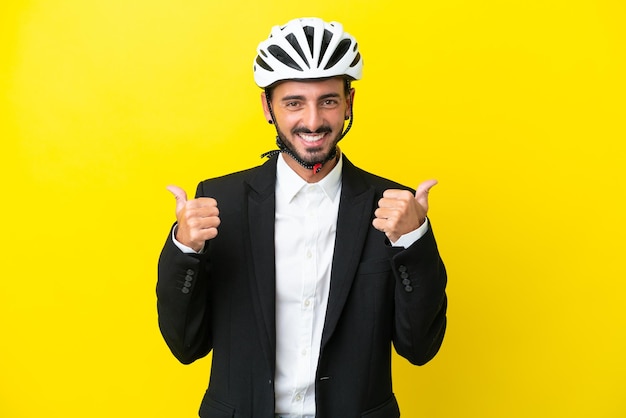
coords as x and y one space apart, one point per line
307 48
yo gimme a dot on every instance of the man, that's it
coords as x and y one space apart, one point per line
299 274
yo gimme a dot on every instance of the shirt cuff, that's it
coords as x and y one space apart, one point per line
183 247
410 238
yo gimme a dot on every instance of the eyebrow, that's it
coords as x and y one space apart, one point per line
298 97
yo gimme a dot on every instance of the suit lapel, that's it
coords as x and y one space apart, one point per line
260 205
353 222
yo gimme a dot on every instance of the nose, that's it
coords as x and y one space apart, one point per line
313 118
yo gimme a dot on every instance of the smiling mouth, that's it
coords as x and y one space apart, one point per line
311 138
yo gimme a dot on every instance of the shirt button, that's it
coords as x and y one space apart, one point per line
304 351
298 397
309 254
307 303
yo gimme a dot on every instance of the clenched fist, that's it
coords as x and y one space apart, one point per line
197 219
399 212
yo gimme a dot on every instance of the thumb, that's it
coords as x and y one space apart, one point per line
180 195
421 194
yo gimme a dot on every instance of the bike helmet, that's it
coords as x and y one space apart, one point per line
307 48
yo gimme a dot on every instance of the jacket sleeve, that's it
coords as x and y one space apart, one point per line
420 300
183 302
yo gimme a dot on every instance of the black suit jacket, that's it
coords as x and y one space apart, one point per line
224 300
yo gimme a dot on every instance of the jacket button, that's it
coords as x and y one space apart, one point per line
406 282
185 290
408 288
190 272
402 268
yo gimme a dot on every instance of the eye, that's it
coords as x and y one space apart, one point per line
330 103
292 104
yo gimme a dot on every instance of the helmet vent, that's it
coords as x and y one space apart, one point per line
328 35
356 60
293 41
339 53
309 31
283 57
263 64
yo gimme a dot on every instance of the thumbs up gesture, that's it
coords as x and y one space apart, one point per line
399 212
197 219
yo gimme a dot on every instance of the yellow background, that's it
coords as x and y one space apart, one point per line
517 107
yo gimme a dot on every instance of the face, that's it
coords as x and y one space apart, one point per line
310 115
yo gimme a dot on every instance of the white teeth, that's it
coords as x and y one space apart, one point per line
311 137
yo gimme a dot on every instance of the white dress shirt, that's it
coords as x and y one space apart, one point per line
305 230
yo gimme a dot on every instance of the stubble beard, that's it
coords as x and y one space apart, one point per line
313 155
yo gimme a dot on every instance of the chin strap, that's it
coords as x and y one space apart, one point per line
316 167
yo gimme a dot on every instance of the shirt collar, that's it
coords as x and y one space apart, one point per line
291 183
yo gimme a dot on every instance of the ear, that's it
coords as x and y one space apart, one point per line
266 110
349 103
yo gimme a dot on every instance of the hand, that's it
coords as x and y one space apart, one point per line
399 212
198 219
